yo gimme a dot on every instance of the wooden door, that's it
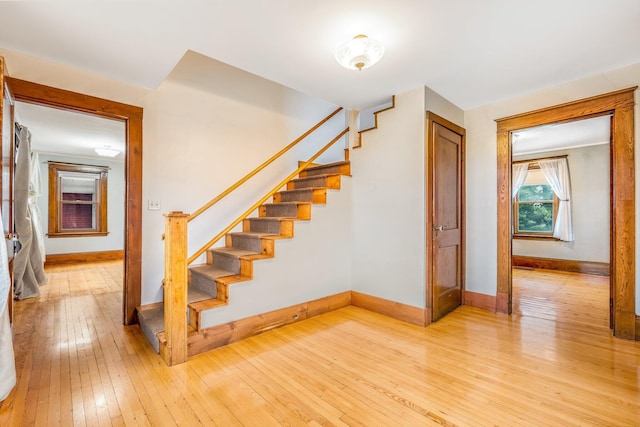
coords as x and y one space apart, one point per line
446 151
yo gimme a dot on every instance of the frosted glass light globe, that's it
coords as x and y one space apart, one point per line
359 53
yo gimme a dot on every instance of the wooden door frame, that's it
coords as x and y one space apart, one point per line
432 118
35 93
620 105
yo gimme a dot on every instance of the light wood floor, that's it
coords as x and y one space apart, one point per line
78 366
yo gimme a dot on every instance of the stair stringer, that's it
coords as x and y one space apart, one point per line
314 264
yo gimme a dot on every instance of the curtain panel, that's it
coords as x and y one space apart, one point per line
556 171
519 172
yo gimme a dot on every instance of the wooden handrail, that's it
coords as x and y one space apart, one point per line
262 166
262 200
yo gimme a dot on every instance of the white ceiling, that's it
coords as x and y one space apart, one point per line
65 132
471 52
575 134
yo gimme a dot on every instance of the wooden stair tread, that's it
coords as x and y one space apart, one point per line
287 203
304 189
270 219
195 295
210 271
207 304
328 165
228 280
313 195
341 168
307 188
151 306
253 234
312 177
234 251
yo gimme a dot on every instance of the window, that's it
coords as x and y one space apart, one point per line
535 206
77 200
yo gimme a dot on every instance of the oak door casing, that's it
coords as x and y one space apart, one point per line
620 105
39 94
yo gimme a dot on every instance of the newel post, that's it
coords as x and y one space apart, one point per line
174 350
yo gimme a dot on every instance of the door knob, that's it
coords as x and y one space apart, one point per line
439 228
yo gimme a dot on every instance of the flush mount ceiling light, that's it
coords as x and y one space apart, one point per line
107 151
359 53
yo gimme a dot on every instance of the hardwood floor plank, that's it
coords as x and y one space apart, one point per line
554 362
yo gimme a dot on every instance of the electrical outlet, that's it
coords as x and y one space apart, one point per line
153 205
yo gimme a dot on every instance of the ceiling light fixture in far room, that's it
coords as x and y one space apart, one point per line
359 53
107 151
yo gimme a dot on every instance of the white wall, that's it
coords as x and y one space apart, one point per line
435 103
589 169
482 167
205 127
389 207
115 205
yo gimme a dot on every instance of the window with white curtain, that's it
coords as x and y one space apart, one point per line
535 205
542 199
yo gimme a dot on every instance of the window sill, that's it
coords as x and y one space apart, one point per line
534 237
78 234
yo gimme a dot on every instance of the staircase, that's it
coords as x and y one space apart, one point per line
209 283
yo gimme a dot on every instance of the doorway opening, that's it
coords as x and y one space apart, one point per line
620 105
131 116
559 235
79 193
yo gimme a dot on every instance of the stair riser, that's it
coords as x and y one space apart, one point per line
224 261
251 225
333 169
202 283
231 263
299 211
331 182
248 243
315 196
150 333
282 228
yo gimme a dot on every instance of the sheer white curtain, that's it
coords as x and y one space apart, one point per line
519 173
35 191
7 360
556 171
